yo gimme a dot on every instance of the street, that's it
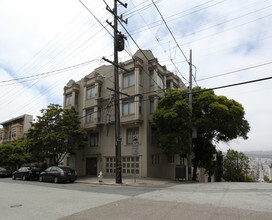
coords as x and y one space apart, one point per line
35 200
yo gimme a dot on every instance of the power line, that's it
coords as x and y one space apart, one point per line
235 71
162 47
95 17
50 72
171 33
225 86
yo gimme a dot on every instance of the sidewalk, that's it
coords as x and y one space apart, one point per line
129 181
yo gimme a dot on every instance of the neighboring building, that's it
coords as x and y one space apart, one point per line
93 99
14 128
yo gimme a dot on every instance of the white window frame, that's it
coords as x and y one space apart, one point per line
160 80
140 77
20 132
68 99
128 107
94 140
151 79
90 115
128 79
90 92
130 133
155 159
13 132
70 161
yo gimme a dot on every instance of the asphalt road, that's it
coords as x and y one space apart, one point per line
35 200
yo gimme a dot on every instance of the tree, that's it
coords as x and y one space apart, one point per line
171 118
14 153
236 165
215 118
55 134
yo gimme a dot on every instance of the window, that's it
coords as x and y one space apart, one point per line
90 92
94 140
68 99
130 133
171 158
160 81
128 79
151 102
155 158
90 115
110 165
154 135
168 85
128 106
99 90
99 115
140 105
151 79
70 162
76 99
20 132
128 164
140 77
13 132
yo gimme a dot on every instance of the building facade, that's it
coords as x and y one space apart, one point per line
15 128
142 82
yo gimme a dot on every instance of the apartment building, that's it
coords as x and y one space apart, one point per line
15 128
142 81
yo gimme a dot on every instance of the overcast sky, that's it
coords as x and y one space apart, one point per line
59 40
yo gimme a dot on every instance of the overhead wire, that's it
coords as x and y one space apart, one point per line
163 49
49 72
51 59
171 33
235 71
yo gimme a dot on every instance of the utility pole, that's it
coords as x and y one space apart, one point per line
189 156
118 46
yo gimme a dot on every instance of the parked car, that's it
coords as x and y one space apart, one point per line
58 174
5 172
27 173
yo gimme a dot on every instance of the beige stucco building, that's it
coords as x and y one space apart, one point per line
15 128
93 98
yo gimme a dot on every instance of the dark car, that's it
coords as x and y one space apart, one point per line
58 174
5 172
27 173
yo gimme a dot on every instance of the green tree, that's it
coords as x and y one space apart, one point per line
55 134
14 153
236 165
215 118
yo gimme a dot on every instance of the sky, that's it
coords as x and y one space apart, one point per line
44 44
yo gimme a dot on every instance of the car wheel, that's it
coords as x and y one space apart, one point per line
41 179
71 181
13 177
24 177
56 180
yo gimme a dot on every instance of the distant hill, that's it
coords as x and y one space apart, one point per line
263 154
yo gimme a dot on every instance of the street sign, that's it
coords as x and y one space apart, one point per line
135 150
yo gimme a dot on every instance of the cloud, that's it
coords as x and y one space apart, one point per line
43 36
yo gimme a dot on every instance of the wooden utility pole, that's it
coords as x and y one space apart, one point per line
189 156
118 46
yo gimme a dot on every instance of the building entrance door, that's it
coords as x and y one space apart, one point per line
91 166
